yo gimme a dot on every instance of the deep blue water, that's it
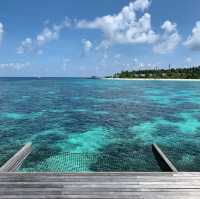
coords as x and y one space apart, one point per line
106 124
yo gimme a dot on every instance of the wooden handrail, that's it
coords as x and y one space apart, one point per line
162 159
15 161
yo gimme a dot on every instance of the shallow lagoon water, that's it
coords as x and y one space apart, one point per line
100 125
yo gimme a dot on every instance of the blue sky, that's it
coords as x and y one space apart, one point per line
96 37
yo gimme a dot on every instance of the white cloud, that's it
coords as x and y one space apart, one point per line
141 4
15 65
103 45
168 26
193 41
53 33
169 40
87 44
26 45
1 31
47 35
167 44
125 27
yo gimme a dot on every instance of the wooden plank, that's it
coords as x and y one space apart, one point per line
100 173
162 159
108 186
15 161
92 175
97 186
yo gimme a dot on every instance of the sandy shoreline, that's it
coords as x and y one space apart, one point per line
150 79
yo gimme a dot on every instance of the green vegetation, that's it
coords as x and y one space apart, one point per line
171 73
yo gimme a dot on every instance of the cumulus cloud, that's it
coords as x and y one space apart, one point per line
132 25
168 26
53 33
47 35
193 41
1 31
15 65
169 40
87 45
125 27
141 4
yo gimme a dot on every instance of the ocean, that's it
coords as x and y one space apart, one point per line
92 125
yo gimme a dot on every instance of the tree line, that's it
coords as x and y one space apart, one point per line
171 73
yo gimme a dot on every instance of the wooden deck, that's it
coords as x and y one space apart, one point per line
100 185
141 185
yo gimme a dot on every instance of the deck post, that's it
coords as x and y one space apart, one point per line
15 161
162 159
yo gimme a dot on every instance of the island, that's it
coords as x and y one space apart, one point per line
170 73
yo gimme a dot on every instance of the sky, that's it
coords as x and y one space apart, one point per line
77 38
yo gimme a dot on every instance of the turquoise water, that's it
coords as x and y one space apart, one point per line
105 125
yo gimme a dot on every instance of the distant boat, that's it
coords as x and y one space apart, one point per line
94 77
